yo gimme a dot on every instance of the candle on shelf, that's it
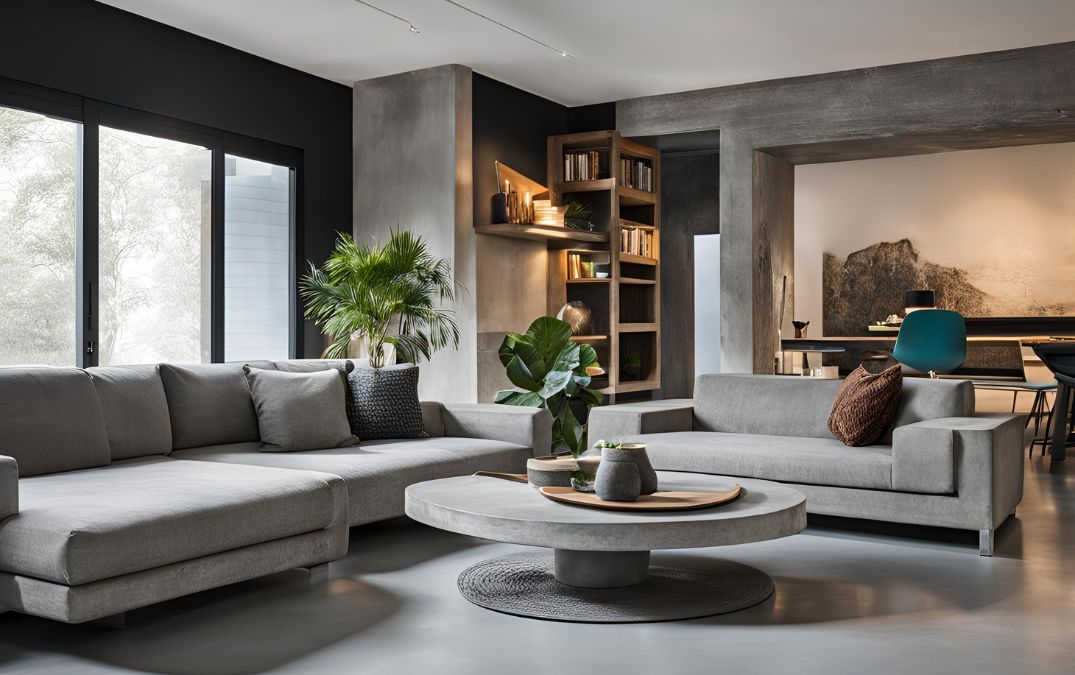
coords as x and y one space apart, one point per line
528 214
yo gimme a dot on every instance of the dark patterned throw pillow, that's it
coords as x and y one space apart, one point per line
384 403
865 405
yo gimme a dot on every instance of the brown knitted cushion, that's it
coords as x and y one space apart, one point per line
865 405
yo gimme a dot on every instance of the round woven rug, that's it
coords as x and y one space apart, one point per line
523 584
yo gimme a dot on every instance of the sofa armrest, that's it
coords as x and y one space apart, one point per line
615 422
531 427
9 487
986 454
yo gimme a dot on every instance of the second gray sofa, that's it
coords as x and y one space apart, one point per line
939 464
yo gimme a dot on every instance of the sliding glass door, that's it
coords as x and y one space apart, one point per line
39 167
154 255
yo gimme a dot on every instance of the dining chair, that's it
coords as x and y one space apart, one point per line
932 341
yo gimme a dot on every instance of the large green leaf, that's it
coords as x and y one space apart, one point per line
549 337
522 398
521 376
572 432
587 356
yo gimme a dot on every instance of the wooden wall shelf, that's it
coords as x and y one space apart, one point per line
627 303
548 233
637 259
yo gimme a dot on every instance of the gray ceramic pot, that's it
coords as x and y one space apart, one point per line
635 453
550 471
618 481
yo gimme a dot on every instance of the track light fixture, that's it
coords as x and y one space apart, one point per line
410 26
546 45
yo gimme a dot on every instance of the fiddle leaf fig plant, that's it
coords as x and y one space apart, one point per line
550 371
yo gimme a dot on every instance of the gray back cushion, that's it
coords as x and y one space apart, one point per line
773 405
779 405
209 404
301 411
314 365
135 410
50 420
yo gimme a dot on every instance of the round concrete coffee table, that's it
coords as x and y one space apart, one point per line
600 568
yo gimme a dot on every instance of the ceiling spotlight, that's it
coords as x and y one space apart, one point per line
410 26
546 45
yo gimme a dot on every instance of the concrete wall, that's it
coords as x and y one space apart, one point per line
689 207
413 168
1014 97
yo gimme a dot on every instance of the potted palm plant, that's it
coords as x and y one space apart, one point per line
387 295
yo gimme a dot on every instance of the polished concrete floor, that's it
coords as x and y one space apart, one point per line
850 598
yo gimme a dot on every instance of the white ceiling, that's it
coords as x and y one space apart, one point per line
622 48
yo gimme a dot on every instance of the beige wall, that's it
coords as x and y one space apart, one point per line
511 288
1005 215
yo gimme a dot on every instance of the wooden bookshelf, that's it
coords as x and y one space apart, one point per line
626 305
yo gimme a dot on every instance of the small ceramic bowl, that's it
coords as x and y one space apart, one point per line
550 471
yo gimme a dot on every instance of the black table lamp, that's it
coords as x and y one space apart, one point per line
920 299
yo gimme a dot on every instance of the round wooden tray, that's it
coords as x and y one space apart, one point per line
658 501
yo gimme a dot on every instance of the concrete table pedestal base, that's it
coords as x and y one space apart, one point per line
611 587
600 569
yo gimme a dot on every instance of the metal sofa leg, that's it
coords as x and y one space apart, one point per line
318 574
114 622
985 542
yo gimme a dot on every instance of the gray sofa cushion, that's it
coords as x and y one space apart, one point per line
817 461
135 410
774 405
50 420
82 526
377 472
314 365
384 403
300 411
209 404
778 405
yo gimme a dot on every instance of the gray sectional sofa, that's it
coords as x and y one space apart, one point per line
125 486
939 464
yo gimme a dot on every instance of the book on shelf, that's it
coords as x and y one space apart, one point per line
637 173
635 241
582 165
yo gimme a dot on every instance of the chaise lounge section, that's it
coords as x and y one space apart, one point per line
939 464
125 486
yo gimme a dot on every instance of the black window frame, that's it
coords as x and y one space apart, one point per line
92 114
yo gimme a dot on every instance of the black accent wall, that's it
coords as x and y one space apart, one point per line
109 55
511 125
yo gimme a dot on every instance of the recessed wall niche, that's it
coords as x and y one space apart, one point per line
990 230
